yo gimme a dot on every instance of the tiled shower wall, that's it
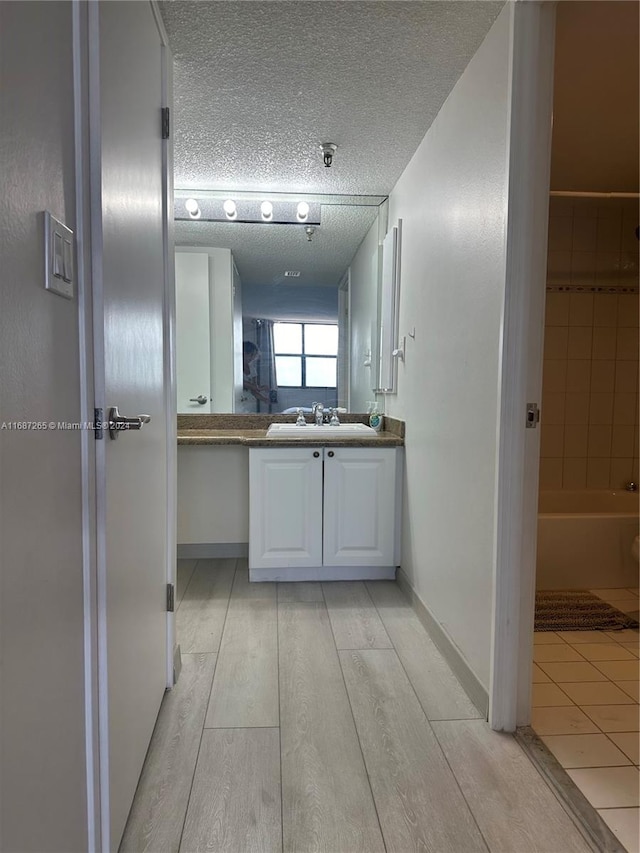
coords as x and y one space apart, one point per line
590 385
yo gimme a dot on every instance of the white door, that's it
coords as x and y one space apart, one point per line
285 508
359 506
193 351
132 470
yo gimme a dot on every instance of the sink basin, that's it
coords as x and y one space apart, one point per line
315 432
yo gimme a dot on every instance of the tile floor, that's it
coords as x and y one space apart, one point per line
321 717
585 709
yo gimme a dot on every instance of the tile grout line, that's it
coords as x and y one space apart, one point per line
355 725
584 828
581 708
204 719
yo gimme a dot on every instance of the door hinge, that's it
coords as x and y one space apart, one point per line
533 415
98 430
166 127
171 598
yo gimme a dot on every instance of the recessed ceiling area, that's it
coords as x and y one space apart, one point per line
596 97
260 84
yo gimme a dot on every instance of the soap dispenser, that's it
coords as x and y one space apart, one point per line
375 418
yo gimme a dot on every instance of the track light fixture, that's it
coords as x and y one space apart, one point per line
193 208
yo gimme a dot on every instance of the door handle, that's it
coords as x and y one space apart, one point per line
199 399
118 423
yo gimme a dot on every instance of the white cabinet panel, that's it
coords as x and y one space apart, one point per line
285 508
324 513
359 507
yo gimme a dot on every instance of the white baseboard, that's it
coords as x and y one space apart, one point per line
325 573
467 678
212 550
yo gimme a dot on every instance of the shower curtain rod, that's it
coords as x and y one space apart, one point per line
573 194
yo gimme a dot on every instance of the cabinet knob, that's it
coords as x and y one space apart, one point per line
316 453
330 453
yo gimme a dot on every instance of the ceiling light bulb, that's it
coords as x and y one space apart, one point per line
266 209
303 211
230 208
193 209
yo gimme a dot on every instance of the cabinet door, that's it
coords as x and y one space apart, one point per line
285 508
359 506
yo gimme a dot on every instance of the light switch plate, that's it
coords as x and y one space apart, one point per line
58 257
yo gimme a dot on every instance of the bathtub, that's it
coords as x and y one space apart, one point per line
585 538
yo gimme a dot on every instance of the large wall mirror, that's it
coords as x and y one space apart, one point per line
276 304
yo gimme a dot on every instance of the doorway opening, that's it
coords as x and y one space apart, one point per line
585 658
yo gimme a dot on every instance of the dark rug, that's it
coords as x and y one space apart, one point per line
577 610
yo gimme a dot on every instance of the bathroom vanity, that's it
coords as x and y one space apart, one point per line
324 513
318 507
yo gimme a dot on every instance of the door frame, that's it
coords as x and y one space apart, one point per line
84 262
86 64
520 383
171 406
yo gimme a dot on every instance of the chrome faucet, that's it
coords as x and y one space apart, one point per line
318 413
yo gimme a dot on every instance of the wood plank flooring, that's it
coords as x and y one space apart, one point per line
203 609
157 816
235 802
326 798
245 687
321 717
498 780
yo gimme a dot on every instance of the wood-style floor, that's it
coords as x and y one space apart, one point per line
321 717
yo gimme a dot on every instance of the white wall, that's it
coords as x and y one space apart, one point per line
42 733
213 494
295 303
364 320
452 202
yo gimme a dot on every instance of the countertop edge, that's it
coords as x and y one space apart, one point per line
383 439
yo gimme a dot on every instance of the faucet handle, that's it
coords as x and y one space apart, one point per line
334 421
301 419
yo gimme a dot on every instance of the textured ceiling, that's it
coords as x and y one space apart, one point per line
263 252
259 85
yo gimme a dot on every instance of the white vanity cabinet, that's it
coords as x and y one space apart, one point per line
323 513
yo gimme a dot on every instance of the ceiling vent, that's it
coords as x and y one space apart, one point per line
292 273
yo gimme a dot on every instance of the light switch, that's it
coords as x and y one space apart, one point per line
67 260
58 257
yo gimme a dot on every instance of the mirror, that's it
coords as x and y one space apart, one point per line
274 313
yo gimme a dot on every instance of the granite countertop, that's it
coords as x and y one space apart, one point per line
251 431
